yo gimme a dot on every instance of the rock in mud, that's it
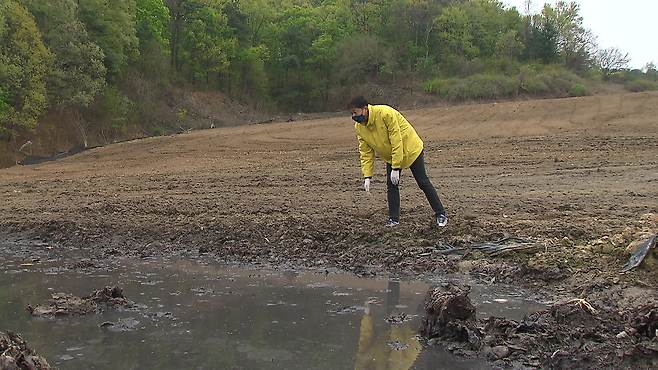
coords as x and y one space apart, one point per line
450 315
644 321
121 325
62 304
16 355
499 352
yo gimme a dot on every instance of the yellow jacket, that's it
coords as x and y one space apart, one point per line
389 135
375 353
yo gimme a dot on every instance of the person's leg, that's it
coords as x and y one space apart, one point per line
424 183
393 194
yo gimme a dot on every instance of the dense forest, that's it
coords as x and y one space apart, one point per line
109 65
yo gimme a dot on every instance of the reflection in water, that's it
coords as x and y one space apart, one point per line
395 346
199 315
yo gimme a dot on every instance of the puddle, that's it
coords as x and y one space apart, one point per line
200 315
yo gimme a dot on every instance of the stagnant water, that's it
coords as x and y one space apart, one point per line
200 315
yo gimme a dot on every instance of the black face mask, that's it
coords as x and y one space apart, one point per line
360 118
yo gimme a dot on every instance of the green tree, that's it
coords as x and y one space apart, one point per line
509 45
479 28
4 94
78 72
575 43
250 75
153 21
208 43
24 63
489 22
255 17
371 16
113 26
454 32
542 37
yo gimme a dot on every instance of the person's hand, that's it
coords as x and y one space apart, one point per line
395 177
366 185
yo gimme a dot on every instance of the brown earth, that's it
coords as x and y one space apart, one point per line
61 133
576 176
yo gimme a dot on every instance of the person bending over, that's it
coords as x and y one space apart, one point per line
383 131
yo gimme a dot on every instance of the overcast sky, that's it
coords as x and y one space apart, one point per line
629 25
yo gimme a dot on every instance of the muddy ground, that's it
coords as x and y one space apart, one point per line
578 177
17 355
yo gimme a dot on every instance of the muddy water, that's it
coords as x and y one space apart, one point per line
199 315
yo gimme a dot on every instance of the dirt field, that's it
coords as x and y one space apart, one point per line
579 177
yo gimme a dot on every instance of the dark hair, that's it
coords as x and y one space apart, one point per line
358 102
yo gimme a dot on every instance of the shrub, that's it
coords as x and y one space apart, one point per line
158 131
578 90
116 108
480 86
550 81
641 85
531 80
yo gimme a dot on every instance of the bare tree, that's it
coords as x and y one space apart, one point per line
610 60
651 71
527 7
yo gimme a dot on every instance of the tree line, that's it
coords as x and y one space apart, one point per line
84 57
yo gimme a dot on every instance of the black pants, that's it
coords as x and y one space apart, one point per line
424 183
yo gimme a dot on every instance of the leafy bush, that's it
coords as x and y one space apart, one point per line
578 90
158 131
116 107
550 81
4 102
641 85
623 77
480 86
531 79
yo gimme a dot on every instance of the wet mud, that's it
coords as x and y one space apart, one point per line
15 354
569 334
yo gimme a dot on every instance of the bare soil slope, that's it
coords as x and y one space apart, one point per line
579 177
580 168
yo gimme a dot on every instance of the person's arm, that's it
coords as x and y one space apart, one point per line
367 155
395 137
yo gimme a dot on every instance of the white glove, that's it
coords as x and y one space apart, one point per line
366 185
395 177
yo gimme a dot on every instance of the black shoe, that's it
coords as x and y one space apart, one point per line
441 220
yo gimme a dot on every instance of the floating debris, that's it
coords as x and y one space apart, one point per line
62 304
396 345
121 325
397 319
344 310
